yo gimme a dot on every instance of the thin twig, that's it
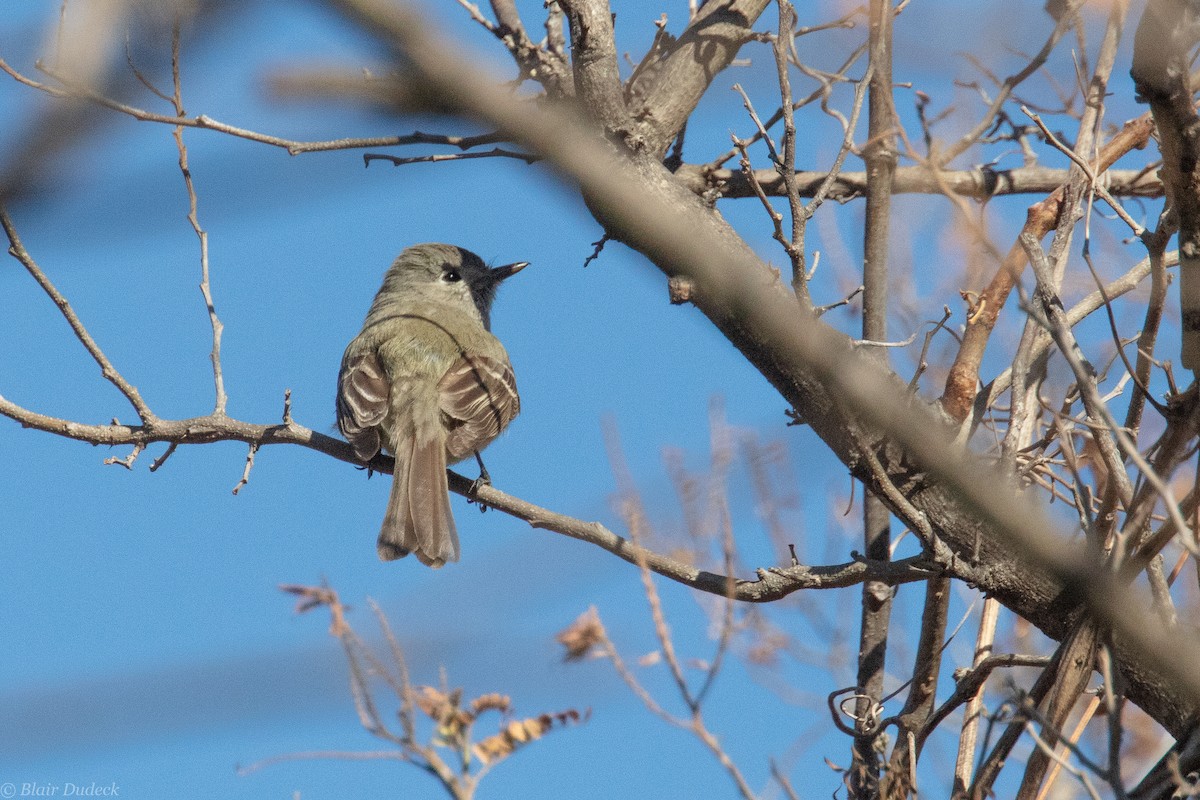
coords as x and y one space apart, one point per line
784 48
1081 311
1093 180
819 94
246 472
855 292
1010 83
127 461
404 687
496 152
964 766
293 147
662 631
1066 744
922 364
728 551
1085 375
158 462
193 217
17 250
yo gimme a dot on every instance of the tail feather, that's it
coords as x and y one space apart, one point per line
418 518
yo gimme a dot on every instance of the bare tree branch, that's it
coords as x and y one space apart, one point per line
665 97
1043 217
67 90
962 499
1077 576
880 158
594 60
978 182
1166 36
110 373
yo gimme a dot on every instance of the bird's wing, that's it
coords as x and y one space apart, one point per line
478 396
362 402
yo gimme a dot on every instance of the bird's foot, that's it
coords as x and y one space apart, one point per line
484 479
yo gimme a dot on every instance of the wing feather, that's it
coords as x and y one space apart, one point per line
478 397
362 402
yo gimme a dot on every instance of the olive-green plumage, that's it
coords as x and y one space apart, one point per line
428 382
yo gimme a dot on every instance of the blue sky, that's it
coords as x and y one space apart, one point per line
145 641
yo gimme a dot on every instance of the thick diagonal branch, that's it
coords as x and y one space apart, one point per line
1167 34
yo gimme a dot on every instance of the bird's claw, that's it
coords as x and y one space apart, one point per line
484 479
473 491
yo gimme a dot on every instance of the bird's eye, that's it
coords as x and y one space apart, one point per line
451 276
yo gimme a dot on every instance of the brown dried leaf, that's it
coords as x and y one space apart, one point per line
1091 457
582 636
491 702
444 709
650 659
433 702
493 748
520 732
311 597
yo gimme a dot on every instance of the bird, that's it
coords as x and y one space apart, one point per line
427 381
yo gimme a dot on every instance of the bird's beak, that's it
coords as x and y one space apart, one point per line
508 270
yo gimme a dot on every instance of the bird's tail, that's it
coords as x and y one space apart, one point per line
418 518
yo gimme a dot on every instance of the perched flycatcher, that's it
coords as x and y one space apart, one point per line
426 380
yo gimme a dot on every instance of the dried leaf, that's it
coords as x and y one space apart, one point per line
650 659
493 748
433 702
582 636
520 732
311 597
444 709
1091 457
526 730
491 702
